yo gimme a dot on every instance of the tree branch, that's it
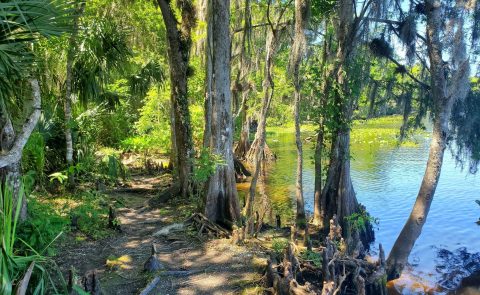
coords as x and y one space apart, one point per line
15 153
409 74
258 26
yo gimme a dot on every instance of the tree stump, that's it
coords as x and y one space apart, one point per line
113 222
153 264
91 283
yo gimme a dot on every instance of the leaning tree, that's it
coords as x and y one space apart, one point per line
449 84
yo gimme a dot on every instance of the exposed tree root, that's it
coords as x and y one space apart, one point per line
267 154
339 274
241 173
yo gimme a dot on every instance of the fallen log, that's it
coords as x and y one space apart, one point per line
149 288
165 195
156 280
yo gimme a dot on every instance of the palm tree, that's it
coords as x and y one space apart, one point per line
22 23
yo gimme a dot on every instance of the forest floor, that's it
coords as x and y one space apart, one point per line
214 266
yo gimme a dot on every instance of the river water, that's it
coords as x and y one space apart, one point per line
386 181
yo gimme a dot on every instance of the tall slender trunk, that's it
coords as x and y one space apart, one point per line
317 207
200 31
207 133
411 231
241 84
299 43
372 97
243 144
258 146
386 97
221 200
407 109
72 48
444 93
179 45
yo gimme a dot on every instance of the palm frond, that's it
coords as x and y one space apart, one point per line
21 24
151 73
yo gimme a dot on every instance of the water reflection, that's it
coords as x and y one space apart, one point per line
386 181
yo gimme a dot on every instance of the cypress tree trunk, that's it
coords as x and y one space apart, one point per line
221 200
444 94
301 12
373 95
243 144
179 44
317 207
338 196
241 84
386 97
255 153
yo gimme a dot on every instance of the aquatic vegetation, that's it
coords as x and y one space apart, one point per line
383 132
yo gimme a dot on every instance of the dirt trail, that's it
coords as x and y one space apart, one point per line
216 266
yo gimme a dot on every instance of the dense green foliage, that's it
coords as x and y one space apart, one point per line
122 119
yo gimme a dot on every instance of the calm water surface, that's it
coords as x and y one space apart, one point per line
386 181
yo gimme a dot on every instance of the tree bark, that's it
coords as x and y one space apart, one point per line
243 144
11 175
258 144
222 199
72 48
207 133
12 146
338 196
444 94
14 154
179 44
255 154
241 84
299 43
386 97
319 145
200 31
317 208
373 95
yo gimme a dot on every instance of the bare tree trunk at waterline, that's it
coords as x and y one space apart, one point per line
338 196
222 204
256 152
444 93
317 198
301 13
